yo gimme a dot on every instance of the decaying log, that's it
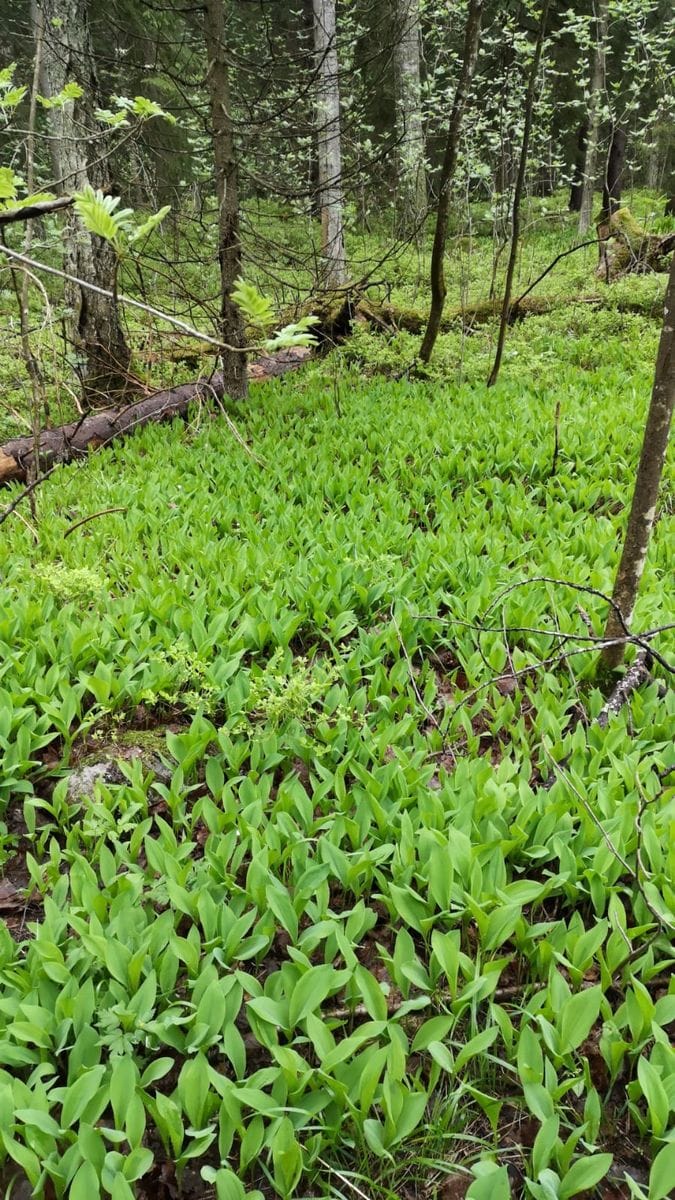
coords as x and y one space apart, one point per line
626 248
76 440
337 317
70 442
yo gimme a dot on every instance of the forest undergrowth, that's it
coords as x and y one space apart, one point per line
372 905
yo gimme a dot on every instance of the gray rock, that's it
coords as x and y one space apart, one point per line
82 781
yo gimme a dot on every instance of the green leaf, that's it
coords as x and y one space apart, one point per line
256 308
478 1044
584 1174
491 1184
85 1185
436 1029
662 1173
79 1095
655 1095
39 1120
374 998
577 1018
286 1158
99 215
309 992
151 223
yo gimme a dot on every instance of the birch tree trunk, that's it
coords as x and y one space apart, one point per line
227 192
647 482
79 158
438 288
412 186
329 145
594 107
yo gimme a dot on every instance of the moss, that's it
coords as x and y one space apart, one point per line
630 248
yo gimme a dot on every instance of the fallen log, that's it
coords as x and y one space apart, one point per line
68 443
336 320
626 248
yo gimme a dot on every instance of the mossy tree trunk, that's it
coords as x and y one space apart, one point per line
647 482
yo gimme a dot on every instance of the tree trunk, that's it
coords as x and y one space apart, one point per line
616 161
79 158
643 507
329 145
438 288
594 107
577 185
518 194
412 187
227 193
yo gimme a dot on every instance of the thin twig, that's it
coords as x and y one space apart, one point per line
92 517
122 299
411 673
7 512
663 925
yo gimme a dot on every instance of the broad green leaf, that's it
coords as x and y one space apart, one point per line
578 1016
584 1174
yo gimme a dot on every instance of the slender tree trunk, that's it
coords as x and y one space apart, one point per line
79 158
411 152
227 193
616 161
438 288
669 188
648 479
594 106
577 185
518 193
329 145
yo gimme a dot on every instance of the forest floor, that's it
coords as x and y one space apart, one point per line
365 902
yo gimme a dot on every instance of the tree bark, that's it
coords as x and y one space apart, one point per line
329 145
594 106
647 482
79 159
438 288
412 187
227 193
616 161
518 194
577 185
